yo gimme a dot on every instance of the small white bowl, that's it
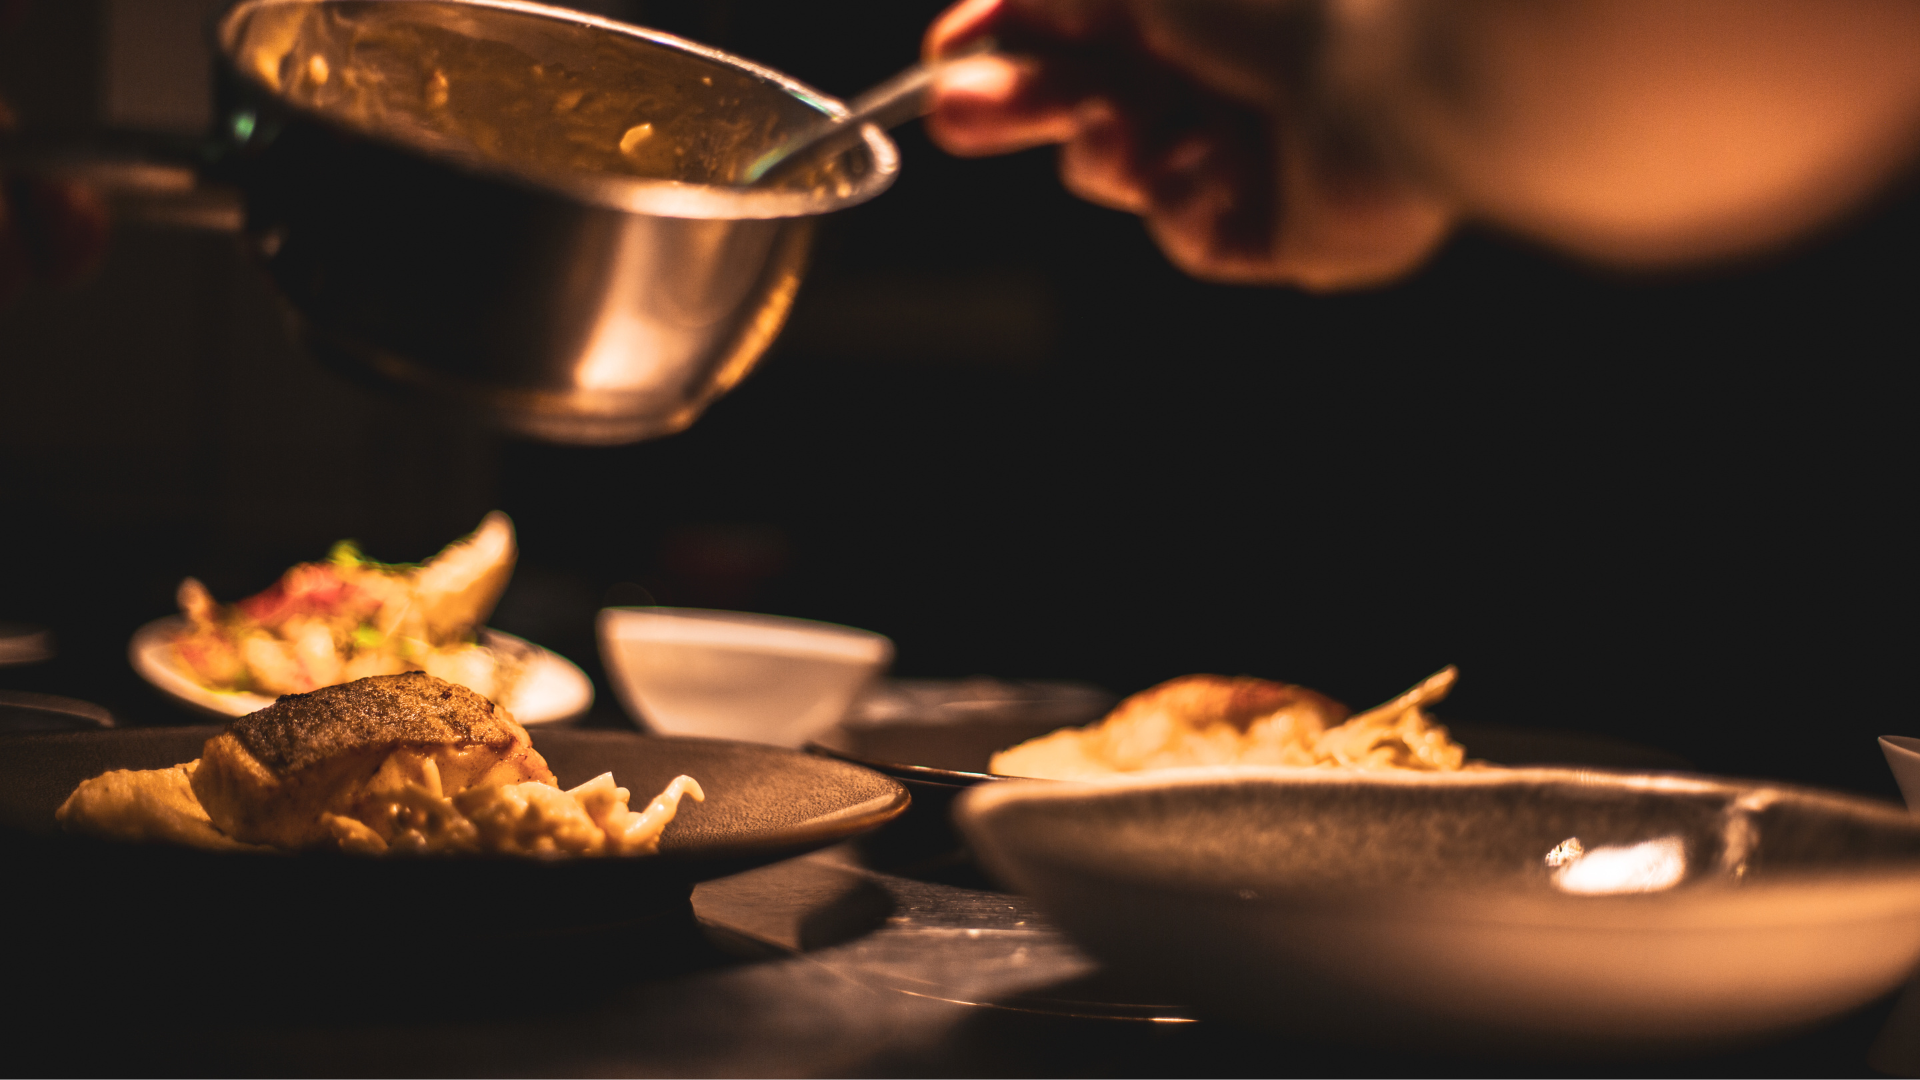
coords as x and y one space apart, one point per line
1903 757
1455 909
731 675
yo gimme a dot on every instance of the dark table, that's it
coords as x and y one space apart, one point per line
813 967
821 965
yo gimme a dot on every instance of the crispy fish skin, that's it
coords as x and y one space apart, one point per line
270 777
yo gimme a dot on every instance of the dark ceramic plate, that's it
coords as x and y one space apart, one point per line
240 912
22 711
763 803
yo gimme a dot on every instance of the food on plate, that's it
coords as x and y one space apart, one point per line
287 774
145 804
350 617
1216 720
405 764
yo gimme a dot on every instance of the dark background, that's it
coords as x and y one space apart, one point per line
1002 430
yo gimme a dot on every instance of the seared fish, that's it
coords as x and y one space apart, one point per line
288 774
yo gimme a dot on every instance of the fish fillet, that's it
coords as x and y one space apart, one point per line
281 775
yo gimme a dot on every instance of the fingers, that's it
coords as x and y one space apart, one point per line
999 104
1352 223
1053 55
1103 160
1151 154
1030 25
1204 184
1209 218
1195 154
1229 199
960 24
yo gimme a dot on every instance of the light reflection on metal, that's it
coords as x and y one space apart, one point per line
1651 866
1564 852
590 300
1740 834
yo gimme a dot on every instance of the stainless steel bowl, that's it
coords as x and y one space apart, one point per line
524 208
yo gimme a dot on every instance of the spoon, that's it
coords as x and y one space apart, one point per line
901 98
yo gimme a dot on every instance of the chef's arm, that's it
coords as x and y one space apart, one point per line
1331 143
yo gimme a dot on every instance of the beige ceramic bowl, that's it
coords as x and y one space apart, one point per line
1453 910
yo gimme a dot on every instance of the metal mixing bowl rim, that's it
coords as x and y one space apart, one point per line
660 198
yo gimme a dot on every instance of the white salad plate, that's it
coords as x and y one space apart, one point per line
550 690
1524 910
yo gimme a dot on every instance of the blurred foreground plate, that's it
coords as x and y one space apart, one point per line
550 689
1526 910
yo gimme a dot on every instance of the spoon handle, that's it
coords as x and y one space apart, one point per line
901 98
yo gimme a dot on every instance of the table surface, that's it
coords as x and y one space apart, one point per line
817 966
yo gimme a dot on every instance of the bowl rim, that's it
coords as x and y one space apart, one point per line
1908 744
1781 897
1499 776
639 195
608 619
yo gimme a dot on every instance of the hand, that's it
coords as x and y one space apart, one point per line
1330 143
1186 113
